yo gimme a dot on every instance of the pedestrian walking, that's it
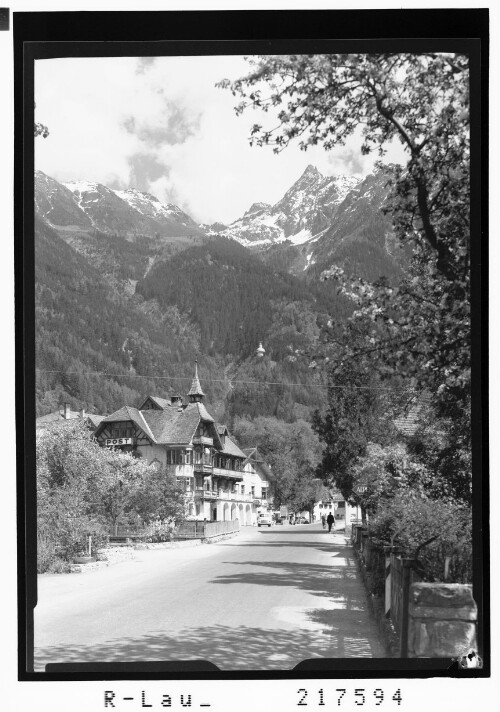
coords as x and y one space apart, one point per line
323 520
330 520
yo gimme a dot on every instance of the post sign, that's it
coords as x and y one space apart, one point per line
110 442
360 490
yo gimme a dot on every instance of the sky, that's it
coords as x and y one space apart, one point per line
161 125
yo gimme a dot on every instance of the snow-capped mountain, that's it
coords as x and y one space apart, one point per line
127 213
320 221
306 209
56 203
149 206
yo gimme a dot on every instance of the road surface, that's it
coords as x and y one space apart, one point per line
263 600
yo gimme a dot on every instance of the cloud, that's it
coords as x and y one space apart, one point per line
175 127
160 124
349 161
145 168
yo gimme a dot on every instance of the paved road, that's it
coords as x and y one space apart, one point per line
263 600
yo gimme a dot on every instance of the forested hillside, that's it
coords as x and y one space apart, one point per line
213 302
230 295
125 311
84 329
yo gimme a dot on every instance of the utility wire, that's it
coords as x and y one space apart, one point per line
231 380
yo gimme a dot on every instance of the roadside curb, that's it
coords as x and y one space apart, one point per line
128 553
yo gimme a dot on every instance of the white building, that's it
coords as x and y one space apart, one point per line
220 480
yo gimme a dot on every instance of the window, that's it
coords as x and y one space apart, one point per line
174 457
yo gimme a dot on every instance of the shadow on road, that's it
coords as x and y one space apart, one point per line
340 628
336 581
244 648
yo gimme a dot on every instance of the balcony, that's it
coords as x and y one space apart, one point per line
206 494
235 496
180 470
203 467
222 472
203 440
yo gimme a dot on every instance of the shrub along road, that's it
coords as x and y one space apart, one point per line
264 600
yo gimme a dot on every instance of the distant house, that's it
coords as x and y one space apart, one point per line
220 481
337 505
64 414
260 479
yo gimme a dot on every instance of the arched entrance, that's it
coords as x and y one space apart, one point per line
226 516
234 512
248 515
241 515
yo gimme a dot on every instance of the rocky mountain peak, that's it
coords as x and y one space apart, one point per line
311 172
257 208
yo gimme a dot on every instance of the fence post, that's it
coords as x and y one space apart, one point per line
407 566
388 550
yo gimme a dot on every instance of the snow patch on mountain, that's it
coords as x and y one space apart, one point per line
306 210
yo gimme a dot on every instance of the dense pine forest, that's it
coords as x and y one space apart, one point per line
96 346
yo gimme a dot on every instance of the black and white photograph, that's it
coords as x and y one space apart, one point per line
257 402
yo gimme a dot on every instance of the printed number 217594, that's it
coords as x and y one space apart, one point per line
360 697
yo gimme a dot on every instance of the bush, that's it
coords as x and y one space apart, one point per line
62 537
159 531
409 523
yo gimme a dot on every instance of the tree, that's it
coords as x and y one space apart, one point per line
418 330
421 99
160 497
291 449
384 473
359 411
84 489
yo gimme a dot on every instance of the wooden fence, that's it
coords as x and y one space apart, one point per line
402 576
185 530
392 575
205 530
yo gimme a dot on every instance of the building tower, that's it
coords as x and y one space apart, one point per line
196 394
260 351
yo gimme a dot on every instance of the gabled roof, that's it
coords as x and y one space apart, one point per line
128 413
253 456
172 425
175 426
160 402
57 416
230 448
94 419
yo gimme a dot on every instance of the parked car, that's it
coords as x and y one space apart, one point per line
265 520
302 520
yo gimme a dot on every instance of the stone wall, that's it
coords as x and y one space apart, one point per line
442 620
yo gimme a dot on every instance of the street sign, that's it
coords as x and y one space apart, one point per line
360 489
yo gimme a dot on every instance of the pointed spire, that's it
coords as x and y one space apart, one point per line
195 392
